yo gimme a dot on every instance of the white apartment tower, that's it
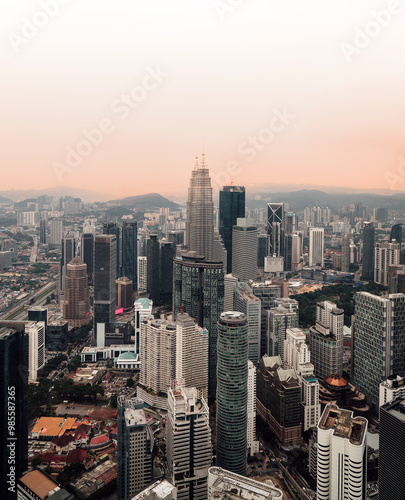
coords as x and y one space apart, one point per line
342 455
189 452
142 311
252 443
36 343
316 237
142 273
386 253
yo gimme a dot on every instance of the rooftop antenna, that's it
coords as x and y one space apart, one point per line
203 165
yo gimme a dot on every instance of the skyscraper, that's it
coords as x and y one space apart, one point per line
142 273
105 255
68 253
130 251
167 253
153 268
14 404
345 253
275 228
244 250
200 212
76 305
231 207
386 253
36 345
315 253
368 251
396 233
232 374
55 232
113 228
252 442
124 293
378 341
189 453
134 450
277 320
342 455
198 286
42 231
87 252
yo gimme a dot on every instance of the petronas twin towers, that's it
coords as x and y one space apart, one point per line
200 212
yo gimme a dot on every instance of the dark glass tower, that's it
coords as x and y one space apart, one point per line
87 252
396 233
167 252
130 251
68 253
153 269
198 286
368 251
231 207
112 228
105 255
14 404
232 392
275 229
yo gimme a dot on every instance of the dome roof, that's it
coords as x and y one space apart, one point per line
336 381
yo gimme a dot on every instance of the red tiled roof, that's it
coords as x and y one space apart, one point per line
100 439
76 456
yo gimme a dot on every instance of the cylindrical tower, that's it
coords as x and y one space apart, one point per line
232 377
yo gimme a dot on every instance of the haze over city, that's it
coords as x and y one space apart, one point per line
279 93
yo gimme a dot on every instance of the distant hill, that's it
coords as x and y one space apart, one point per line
148 201
3 199
86 195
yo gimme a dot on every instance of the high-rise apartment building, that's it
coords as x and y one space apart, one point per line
245 302
244 250
232 389
189 453
200 212
134 451
386 253
76 305
130 251
275 228
368 251
342 455
315 252
142 273
326 340
36 346
198 286
231 207
378 341
142 310
252 442
55 232
277 320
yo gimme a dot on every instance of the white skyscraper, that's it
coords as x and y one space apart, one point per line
252 443
36 343
341 455
316 237
142 273
55 232
386 254
142 310
244 250
189 452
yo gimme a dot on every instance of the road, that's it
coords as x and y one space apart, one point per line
18 311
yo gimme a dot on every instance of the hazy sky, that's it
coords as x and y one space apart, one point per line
280 91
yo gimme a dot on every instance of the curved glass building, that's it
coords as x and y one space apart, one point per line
232 377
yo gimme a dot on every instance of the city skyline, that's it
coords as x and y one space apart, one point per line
312 94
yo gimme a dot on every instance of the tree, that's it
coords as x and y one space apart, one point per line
36 461
130 382
114 401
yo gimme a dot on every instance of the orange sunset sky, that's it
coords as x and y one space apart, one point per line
218 71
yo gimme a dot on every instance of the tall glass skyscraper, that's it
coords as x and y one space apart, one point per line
368 251
200 212
232 392
112 228
130 251
231 207
105 255
275 229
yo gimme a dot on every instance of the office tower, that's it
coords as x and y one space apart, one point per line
198 286
262 250
189 453
231 208
36 347
134 451
113 228
167 253
229 282
158 355
232 399
277 320
381 214
68 253
160 489
275 229
345 253
55 232
326 340
42 231
14 403
38 313
391 474
200 212
56 337
130 251
219 253
386 253
142 273
221 482
87 252
378 340
245 302
142 310
252 442
396 233
175 237
90 226
192 354
290 223
391 388
396 279
279 399
153 268
124 293
76 305
105 260
244 250
315 252
342 455
368 251
35 483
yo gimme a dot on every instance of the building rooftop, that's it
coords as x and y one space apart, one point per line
396 408
53 426
43 486
144 302
343 425
160 489
135 417
233 317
